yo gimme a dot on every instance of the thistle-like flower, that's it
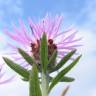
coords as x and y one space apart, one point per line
42 47
2 80
29 40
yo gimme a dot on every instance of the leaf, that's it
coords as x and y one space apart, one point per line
65 91
24 79
26 56
34 82
17 68
52 59
64 60
63 72
44 52
64 79
67 79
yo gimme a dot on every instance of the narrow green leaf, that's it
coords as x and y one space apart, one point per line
64 79
44 52
34 82
64 60
52 59
63 72
24 79
67 79
17 68
26 56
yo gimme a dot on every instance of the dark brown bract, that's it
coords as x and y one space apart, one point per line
35 49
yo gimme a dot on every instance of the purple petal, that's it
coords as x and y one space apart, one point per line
7 80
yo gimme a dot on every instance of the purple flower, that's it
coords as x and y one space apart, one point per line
29 40
2 75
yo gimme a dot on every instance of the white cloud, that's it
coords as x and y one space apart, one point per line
92 92
88 40
14 88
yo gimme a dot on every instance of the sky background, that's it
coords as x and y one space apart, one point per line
79 13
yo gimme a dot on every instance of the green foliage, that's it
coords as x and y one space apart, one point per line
34 82
64 79
44 52
28 58
51 61
63 72
17 68
64 60
67 79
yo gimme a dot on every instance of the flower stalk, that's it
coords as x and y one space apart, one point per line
44 84
34 86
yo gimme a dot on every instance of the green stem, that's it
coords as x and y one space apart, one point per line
34 84
44 85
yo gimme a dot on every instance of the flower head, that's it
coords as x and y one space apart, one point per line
29 40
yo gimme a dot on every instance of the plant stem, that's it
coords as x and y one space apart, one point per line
44 85
34 84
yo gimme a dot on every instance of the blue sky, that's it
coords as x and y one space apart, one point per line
79 13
